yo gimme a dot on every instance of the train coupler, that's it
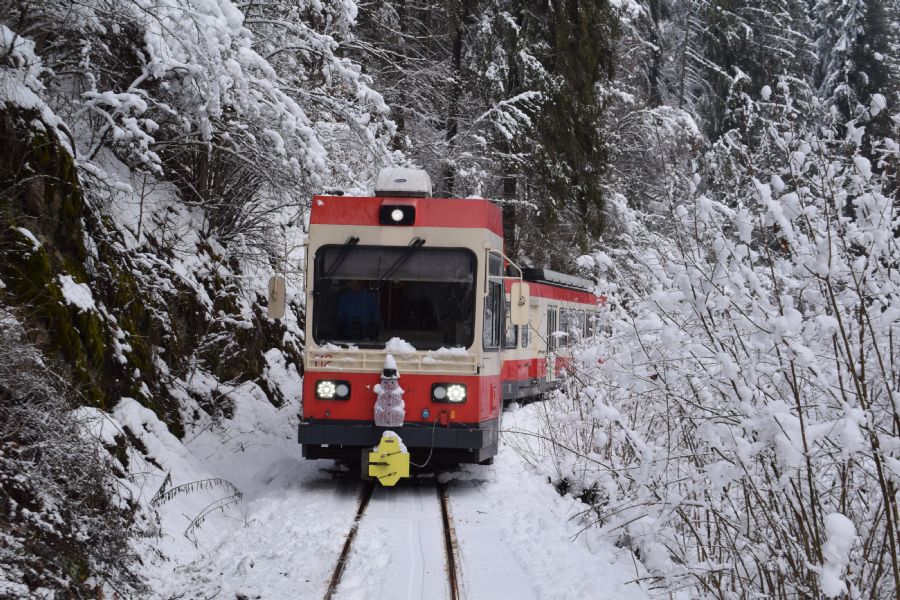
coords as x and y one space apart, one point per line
389 462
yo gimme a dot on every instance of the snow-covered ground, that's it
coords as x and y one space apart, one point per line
283 537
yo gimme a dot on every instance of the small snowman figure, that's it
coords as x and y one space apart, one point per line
389 407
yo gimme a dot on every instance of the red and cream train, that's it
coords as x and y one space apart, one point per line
425 280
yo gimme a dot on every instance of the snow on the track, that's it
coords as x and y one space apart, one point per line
399 550
282 540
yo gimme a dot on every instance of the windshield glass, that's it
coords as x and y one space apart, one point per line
366 295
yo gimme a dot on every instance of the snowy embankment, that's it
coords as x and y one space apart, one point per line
281 537
520 539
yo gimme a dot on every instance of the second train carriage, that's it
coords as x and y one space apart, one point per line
562 310
425 280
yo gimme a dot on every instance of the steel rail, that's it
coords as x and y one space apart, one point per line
368 490
451 548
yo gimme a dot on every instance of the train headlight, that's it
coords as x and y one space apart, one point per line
449 392
456 393
396 215
328 389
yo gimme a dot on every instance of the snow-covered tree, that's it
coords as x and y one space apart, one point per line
740 430
518 111
247 109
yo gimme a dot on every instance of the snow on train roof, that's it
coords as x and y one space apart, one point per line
403 183
556 278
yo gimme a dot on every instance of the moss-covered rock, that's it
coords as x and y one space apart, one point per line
115 350
43 196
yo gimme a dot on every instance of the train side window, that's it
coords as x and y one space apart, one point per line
600 324
551 328
564 323
492 316
493 305
512 331
582 323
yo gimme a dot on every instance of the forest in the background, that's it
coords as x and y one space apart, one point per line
565 111
726 171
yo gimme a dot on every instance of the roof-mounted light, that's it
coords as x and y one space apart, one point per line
395 213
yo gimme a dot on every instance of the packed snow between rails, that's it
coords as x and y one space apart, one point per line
282 537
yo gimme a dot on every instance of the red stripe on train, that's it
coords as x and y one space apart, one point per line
483 397
552 292
473 213
519 370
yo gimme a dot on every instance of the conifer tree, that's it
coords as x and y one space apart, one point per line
517 110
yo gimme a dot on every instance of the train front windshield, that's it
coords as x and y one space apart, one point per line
366 295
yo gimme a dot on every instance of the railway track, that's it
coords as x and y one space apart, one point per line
451 549
400 499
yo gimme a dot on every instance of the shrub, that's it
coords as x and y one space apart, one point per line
63 525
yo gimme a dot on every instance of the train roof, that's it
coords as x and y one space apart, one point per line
557 279
553 285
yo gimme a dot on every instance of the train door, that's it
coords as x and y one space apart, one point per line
564 341
525 337
552 343
492 333
533 341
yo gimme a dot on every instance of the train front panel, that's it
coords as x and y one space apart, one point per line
406 278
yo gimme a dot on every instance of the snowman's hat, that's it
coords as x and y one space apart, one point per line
390 368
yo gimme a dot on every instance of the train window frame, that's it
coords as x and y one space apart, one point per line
525 335
551 328
493 300
512 341
319 266
601 325
565 315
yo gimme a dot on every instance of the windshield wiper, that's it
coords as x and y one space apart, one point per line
345 250
410 250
